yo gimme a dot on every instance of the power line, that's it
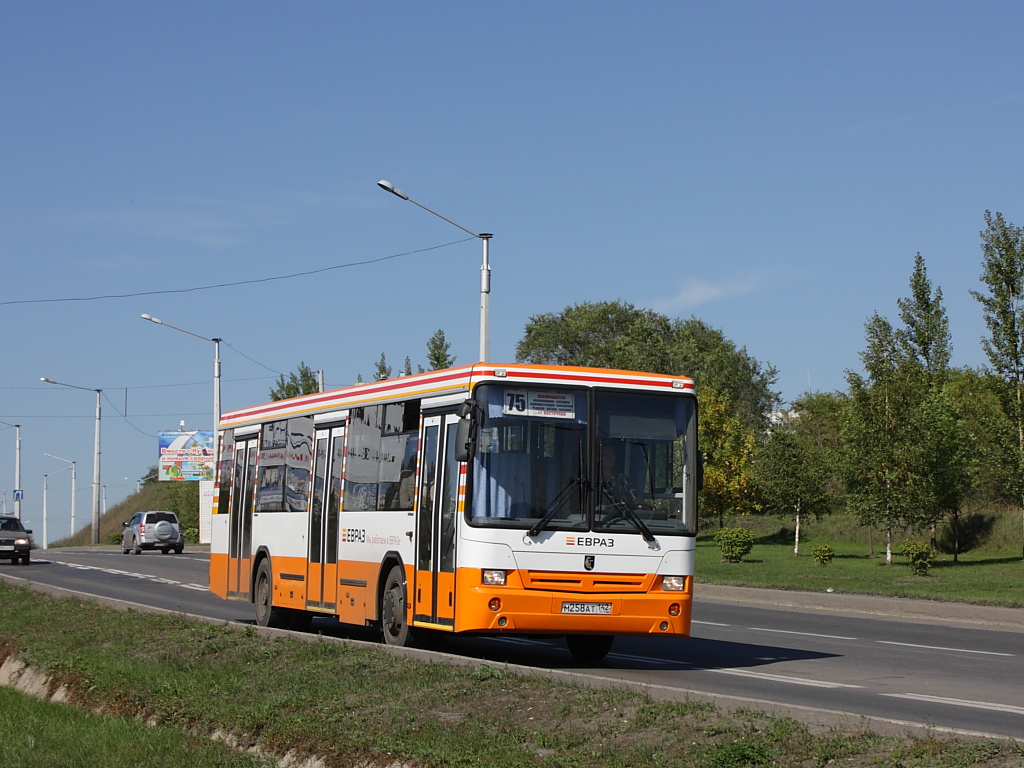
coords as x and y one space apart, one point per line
234 284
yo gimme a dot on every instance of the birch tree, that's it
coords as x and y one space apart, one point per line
1002 301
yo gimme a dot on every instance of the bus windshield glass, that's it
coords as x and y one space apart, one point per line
547 459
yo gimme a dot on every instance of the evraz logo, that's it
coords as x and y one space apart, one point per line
589 541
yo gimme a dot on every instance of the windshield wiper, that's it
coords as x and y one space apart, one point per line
556 504
627 512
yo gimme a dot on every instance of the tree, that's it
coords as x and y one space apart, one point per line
300 382
818 421
881 434
948 453
618 335
706 355
925 339
1003 308
438 356
381 370
728 450
611 334
790 474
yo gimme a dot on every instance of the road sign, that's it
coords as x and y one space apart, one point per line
19 494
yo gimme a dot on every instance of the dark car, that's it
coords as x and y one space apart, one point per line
15 540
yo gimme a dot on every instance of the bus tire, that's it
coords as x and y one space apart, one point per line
266 614
394 627
589 649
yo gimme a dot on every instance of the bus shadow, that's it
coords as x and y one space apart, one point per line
637 653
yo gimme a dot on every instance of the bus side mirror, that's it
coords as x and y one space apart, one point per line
465 439
465 434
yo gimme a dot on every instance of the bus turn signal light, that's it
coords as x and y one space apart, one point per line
495 604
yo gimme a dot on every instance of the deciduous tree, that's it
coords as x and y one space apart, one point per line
1002 246
300 382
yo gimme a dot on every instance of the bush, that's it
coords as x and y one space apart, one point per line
735 543
823 554
919 556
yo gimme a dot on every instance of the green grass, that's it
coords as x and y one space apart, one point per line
359 705
989 574
37 734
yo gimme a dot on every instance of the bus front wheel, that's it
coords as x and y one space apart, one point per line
394 627
589 648
266 614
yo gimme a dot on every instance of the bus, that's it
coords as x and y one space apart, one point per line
485 499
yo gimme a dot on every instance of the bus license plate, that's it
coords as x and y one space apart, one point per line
603 609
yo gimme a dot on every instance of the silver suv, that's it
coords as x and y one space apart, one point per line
152 530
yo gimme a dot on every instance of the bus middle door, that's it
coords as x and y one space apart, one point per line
240 520
437 516
322 566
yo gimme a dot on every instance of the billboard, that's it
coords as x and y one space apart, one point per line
186 456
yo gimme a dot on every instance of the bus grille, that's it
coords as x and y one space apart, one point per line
586 582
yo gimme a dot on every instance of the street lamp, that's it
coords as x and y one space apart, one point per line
17 468
216 383
485 268
112 485
95 460
73 477
46 537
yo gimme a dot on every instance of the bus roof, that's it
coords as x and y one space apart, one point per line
450 381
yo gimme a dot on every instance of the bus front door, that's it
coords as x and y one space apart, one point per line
240 521
437 516
322 567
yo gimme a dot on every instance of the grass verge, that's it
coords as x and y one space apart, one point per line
988 574
356 705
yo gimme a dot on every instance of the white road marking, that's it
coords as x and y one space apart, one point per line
710 623
135 575
802 634
959 702
940 648
781 678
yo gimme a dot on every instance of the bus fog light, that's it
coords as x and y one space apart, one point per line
502 621
494 578
664 626
674 609
673 583
495 604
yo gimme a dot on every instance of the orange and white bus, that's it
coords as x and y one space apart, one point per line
484 499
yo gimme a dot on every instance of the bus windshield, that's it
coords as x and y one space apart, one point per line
549 459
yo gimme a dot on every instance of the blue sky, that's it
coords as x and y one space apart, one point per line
769 168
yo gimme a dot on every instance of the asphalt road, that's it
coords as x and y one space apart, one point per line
822 658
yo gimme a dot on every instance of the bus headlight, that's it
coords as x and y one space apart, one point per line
494 578
673 583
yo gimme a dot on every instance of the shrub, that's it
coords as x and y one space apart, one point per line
919 556
735 543
823 554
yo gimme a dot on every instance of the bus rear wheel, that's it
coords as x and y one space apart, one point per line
393 624
266 614
589 648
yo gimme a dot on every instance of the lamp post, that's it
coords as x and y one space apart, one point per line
73 477
46 538
216 383
485 268
95 460
17 468
113 485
